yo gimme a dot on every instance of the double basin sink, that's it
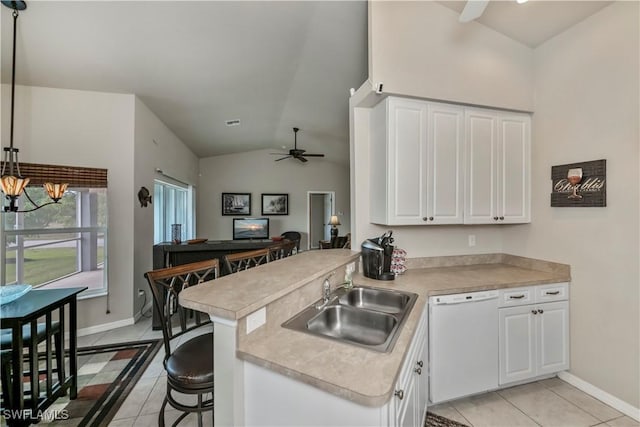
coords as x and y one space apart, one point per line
363 316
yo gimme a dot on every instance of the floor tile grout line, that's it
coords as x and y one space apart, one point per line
463 417
583 410
514 405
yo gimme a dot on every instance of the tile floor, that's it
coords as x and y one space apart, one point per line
550 402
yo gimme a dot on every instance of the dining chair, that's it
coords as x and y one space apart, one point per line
6 341
246 260
190 365
294 236
281 250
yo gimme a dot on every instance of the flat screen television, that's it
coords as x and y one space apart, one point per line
250 228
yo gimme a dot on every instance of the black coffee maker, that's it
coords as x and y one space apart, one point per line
376 257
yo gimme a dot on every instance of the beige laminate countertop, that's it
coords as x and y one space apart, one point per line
236 295
360 375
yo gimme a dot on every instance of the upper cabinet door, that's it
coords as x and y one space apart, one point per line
514 181
498 184
482 141
445 166
398 157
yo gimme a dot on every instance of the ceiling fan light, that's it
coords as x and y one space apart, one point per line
13 186
55 191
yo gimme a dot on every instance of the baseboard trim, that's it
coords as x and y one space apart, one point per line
105 327
609 399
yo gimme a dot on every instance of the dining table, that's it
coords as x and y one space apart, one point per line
32 308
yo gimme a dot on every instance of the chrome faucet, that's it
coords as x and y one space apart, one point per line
326 292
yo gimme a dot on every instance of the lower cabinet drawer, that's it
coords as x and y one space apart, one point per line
516 296
553 292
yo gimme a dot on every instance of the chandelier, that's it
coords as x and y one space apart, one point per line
12 181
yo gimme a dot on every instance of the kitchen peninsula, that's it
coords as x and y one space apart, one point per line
266 374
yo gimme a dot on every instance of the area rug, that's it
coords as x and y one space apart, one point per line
433 420
106 376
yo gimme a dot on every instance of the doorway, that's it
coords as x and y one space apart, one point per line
320 207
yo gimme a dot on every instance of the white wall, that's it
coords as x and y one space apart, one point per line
155 147
91 129
587 108
256 172
419 48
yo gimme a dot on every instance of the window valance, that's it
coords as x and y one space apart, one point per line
74 175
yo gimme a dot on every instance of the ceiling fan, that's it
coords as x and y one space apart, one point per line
295 152
475 8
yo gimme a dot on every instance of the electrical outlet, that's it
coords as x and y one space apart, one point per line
140 292
472 240
256 319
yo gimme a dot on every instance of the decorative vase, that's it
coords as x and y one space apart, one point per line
176 234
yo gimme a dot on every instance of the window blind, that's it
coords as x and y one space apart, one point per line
75 176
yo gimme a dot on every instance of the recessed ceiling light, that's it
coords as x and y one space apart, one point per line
522 1
234 122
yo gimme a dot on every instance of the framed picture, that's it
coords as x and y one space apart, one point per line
275 204
236 204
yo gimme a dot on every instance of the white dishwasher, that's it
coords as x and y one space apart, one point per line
463 344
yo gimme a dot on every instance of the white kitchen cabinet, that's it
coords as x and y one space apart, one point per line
498 180
411 389
534 340
416 163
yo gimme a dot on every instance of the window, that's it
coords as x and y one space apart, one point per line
172 204
59 246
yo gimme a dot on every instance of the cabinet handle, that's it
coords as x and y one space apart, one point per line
552 293
418 371
495 218
400 394
516 296
540 311
534 311
430 218
424 218
501 218
419 363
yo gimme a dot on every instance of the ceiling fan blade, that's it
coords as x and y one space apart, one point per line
282 158
473 10
313 155
302 159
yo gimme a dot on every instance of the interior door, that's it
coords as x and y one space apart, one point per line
316 219
328 211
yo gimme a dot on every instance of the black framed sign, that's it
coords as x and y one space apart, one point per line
579 184
275 204
236 204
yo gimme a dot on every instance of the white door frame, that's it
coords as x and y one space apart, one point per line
333 210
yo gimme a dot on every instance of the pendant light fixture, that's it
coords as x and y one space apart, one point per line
12 181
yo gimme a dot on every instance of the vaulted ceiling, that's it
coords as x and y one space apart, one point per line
271 65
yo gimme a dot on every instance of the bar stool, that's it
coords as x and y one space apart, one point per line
5 354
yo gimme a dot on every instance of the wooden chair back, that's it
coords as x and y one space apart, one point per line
282 250
294 236
246 260
166 283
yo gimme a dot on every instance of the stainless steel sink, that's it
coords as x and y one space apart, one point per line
348 323
384 300
367 317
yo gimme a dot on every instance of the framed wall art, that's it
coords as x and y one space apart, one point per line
236 204
275 204
581 184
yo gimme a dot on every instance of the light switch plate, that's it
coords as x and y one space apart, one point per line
256 319
472 240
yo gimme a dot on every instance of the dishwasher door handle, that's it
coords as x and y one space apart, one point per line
464 298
